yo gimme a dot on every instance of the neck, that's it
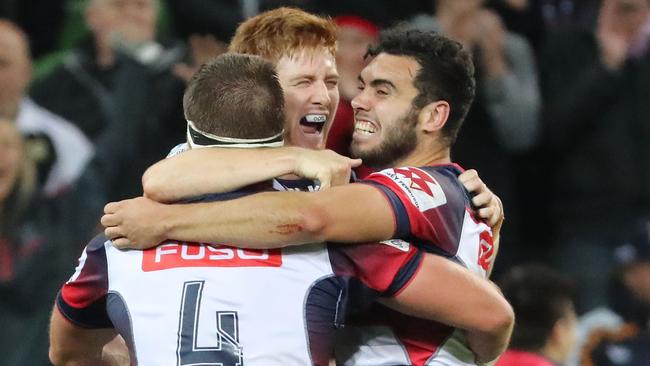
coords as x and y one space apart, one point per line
431 155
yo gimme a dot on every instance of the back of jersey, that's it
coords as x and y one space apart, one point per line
193 304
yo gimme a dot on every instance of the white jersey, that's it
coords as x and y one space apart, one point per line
194 304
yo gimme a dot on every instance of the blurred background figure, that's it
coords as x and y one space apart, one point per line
619 334
207 26
596 83
86 89
545 328
31 259
503 122
60 149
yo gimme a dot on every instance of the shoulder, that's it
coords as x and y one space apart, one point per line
426 187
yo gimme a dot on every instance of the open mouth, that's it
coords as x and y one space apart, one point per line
364 128
313 123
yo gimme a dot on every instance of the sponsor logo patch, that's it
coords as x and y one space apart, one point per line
421 188
178 255
397 244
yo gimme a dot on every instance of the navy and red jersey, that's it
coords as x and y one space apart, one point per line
191 303
432 211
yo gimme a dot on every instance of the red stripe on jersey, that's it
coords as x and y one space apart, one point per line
375 264
177 255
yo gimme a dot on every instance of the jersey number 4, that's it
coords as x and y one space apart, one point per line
228 351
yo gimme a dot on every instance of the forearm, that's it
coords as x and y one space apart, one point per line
287 218
241 222
214 170
488 345
446 292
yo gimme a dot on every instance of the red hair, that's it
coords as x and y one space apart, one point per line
283 32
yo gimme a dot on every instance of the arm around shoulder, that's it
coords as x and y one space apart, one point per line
448 293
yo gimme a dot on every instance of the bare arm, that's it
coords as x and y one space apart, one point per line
350 213
215 170
71 345
449 293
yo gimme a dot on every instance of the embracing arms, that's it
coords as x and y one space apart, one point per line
219 170
449 293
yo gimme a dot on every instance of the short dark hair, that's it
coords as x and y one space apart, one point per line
446 73
237 96
540 297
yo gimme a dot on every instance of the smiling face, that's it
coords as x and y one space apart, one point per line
11 153
385 119
309 80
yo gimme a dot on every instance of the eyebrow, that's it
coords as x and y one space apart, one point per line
379 82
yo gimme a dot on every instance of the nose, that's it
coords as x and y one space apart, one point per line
321 94
360 102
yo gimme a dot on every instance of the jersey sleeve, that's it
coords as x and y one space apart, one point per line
82 300
385 268
428 204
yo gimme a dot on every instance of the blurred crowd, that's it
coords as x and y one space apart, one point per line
90 95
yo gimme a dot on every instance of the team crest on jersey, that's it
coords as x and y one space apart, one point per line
175 255
397 244
423 190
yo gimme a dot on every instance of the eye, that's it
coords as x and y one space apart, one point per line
332 83
302 82
382 92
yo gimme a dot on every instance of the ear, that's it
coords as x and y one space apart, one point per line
433 116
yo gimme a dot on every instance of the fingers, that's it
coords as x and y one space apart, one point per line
483 199
111 207
114 232
123 244
325 182
486 213
110 220
468 175
355 162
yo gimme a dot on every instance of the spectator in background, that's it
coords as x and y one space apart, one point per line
354 35
503 122
207 25
596 84
535 18
620 334
31 261
84 89
71 150
545 330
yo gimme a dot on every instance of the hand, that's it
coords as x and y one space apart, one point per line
491 35
488 204
203 48
611 35
135 223
330 168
